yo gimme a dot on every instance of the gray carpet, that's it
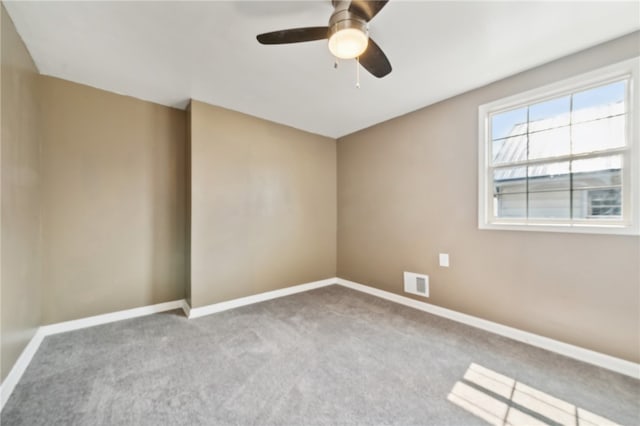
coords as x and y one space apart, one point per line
328 356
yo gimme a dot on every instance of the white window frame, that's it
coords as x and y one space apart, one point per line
630 225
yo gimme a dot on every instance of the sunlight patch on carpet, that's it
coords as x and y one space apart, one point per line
501 400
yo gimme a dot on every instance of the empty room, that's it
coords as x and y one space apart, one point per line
320 213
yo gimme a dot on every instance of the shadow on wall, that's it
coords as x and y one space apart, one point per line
501 400
168 216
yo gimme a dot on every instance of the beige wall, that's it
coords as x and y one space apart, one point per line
187 287
263 205
114 218
408 191
21 176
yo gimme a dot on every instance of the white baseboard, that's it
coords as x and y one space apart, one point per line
256 298
186 308
62 327
596 358
21 364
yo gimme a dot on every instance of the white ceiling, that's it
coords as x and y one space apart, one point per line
170 51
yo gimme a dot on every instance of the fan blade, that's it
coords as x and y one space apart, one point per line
366 9
375 61
294 35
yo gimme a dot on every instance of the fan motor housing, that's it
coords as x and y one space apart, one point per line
342 19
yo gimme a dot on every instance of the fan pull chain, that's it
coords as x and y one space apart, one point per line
358 72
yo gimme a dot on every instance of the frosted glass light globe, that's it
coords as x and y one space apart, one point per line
348 43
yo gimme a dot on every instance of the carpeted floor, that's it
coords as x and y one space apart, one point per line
328 356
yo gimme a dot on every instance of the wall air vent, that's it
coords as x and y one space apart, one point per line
416 284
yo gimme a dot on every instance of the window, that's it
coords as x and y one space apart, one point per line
563 157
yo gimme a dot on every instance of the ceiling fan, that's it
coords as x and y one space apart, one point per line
347 32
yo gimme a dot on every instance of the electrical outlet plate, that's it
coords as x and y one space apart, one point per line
444 260
416 284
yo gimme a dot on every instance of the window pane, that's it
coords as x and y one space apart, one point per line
552 204
549 114
599 135
509 149
509 179
597 171
597 203
509 123
549 177
599 102
549 189
605 162
549 169
549 143
510 205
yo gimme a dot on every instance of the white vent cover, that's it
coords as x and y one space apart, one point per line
416 284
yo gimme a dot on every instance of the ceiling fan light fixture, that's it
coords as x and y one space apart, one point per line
348 43
347 35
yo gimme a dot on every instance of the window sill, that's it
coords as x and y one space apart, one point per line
566 228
